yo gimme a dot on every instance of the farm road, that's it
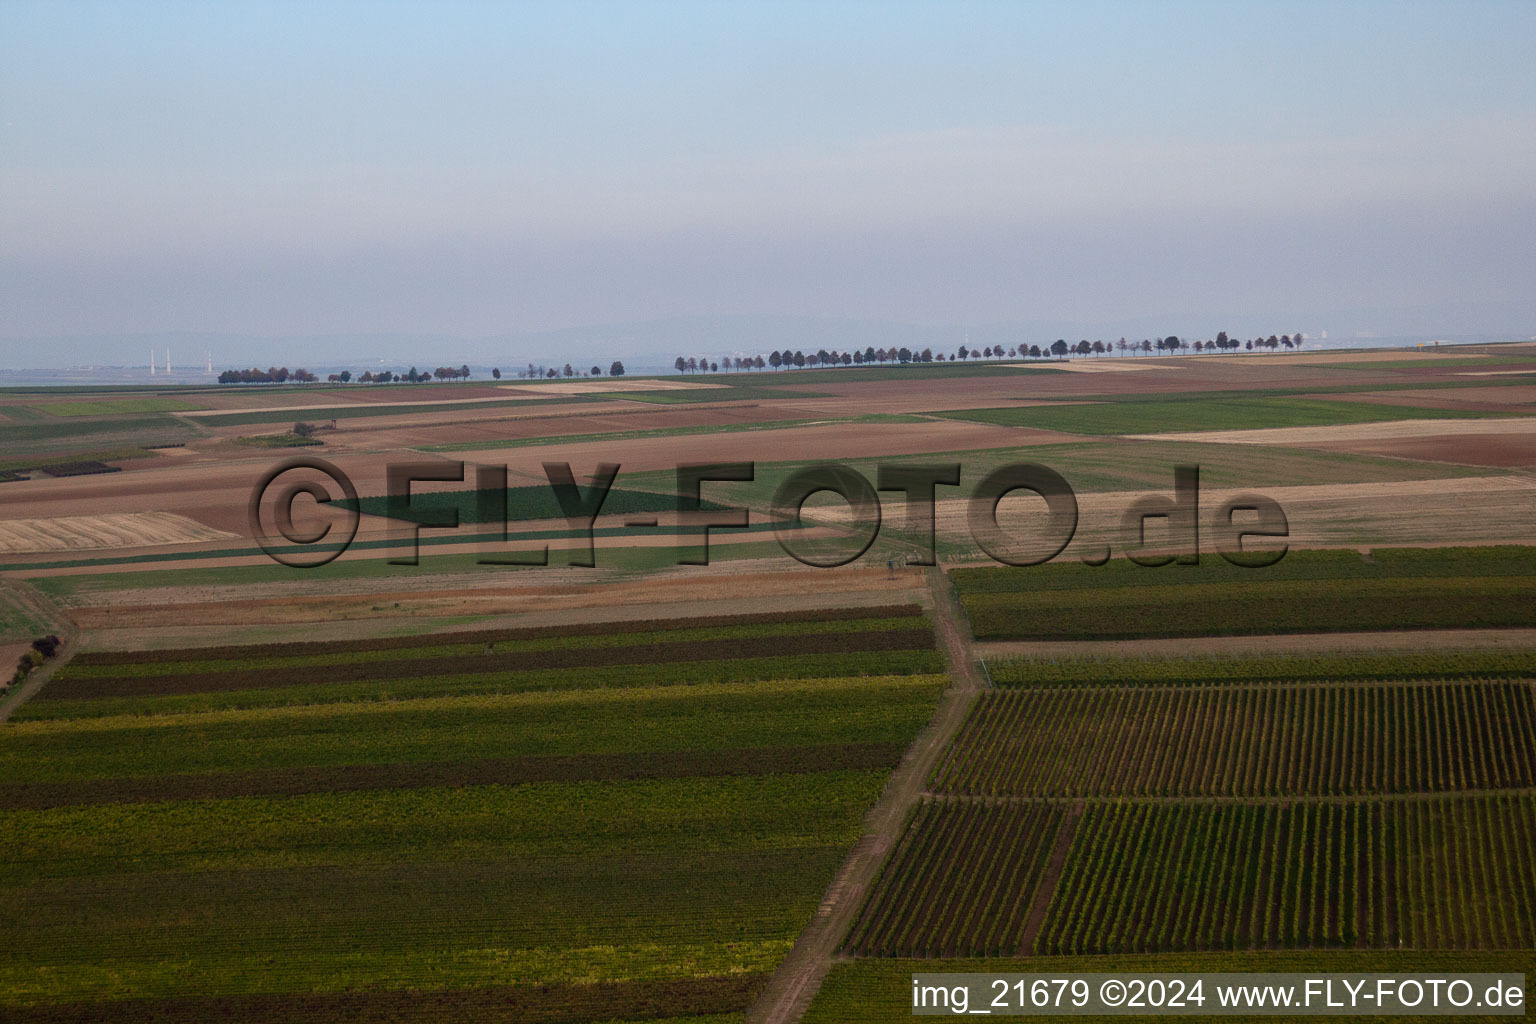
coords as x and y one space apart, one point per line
789 992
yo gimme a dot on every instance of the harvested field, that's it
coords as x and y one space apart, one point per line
1339 432
1430 513
832 441
108 530
1391 355
1122 364
122 625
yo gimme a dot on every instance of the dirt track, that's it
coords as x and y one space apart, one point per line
799 976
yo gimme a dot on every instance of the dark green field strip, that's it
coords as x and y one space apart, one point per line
744 670
490 636
620 720
489 772
1242 741
546 819
84 688
1256 608
1184 414
1320 668
878 991
1340 564
365 652
77 429
1456 873
530 503
528 1004
322 913
960 882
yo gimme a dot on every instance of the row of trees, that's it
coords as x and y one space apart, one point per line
786 360
271 375
412 376
615 369
282 375
1061 348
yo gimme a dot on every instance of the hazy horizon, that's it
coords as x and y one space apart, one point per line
506 171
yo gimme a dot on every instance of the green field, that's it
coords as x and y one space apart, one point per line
119 406
605 851
18 620
33 442
1306 592
1197 412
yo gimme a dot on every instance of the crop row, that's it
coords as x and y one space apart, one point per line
743 669
479 638
1324 668
618 720
1259 607
1244 741
88 687
503 771
1433 874
366 654
960 883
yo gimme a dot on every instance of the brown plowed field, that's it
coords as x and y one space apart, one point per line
1515 450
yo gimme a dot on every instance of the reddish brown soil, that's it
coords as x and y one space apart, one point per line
1467 449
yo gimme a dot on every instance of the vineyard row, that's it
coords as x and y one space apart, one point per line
1455 873
1245 741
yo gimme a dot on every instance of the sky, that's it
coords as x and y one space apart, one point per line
486 169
